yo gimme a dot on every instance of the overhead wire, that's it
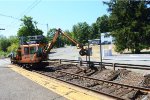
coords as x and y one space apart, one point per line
27 10
8 16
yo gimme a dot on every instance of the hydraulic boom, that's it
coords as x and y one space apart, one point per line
82 52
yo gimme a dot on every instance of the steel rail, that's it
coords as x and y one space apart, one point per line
111 82
106 94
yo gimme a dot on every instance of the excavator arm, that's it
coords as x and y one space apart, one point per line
72 40
50 45
82 52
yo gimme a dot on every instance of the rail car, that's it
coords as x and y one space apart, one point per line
29 54
33 53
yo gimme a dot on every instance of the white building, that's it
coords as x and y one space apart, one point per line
105 39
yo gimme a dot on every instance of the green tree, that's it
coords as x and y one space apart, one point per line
28 27
61 40
50 36
14 43
13 39
82 32
50 33
95 31
130 24
4 43
65 41
12 47
100 26
102 23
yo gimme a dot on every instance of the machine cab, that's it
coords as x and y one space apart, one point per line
30 53
30 49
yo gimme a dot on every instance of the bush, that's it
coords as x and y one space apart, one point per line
3 54
13 47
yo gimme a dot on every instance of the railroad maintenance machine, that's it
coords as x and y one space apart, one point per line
34 52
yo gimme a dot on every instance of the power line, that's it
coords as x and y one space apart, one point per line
29 8
9 16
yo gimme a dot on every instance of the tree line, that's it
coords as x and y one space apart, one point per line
128 22
82 31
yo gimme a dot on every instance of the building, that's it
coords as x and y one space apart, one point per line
105 39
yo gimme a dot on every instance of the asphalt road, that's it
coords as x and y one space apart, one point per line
13 86
71 52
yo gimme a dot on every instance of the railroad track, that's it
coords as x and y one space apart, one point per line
108 88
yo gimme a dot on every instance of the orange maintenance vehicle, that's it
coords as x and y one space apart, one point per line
33 53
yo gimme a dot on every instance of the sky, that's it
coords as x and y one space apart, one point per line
54 13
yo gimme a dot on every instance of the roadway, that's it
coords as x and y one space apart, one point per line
72 53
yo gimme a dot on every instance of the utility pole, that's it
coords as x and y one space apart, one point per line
100 49
47 27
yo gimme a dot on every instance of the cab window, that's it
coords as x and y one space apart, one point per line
32 50
26 50
39 49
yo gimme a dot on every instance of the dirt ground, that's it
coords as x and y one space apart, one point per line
123 76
